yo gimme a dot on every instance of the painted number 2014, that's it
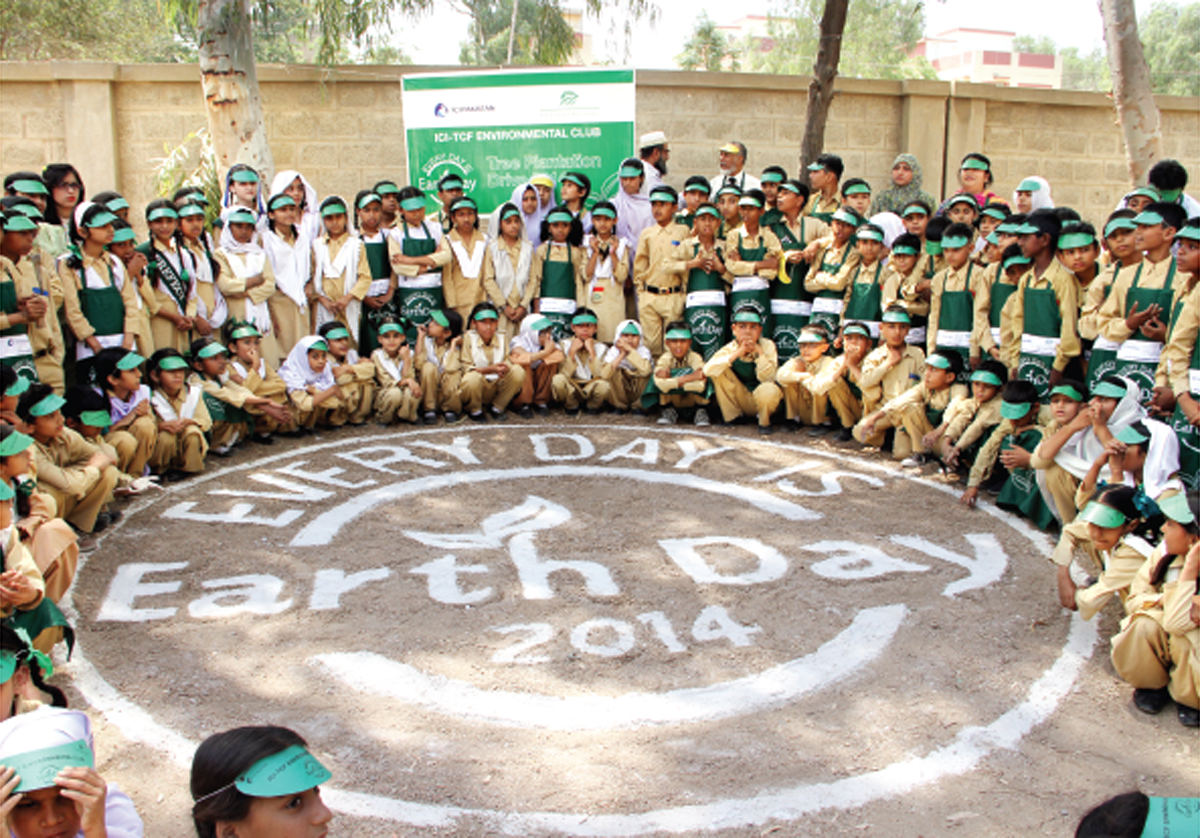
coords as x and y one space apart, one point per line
609 638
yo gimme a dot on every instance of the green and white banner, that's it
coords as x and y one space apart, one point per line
496 129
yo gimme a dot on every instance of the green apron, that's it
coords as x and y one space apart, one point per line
1102 361
422 294
1189 434
827 305
687 219
104 309
770 218
791 303
752 290
1001 291
746 372
1137 358
222 411
705 309
372 318
1039 338
16 352
956 319
47 615
559 292
1020 492
651 393
866 300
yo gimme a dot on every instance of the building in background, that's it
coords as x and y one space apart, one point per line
984 56
582 55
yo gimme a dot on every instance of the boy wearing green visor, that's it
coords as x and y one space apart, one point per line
659 287
743 373
1180 367
29 330
678 384
887 372
355 375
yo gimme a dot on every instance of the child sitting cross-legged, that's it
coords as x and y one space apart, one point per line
891 369
968 422
354 375
231 406
314 393
812 381
183 418
579 376
535 350
918 410
399 394
131 429
248 369
678 382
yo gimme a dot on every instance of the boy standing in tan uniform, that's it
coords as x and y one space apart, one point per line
659 288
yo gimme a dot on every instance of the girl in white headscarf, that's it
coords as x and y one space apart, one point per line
527 199
294 185
91 807
627 367
315 396
633 208
1033 193
289 250
506 269
245 277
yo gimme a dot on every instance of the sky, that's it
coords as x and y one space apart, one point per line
435 38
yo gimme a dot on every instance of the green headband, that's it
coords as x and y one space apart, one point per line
816 167
463 203
162 212
211 350
856 189
1015 260
749 201
245 176
845 218
630 171
130 361
1146 218
861 331
387 328
18 387
439 317
986 377
281 201
290 771
713 211
631 329
1073 240
242 216
30 187
386 189
14 443
904 250
247 331
95 418
974 163
1130 435
172 362
188 210
941 362
19 224
604 212
1118 224
1109 390
412 204
747 316
335 208
1029 185
117 204
1102 516
47 405
771 177
954 242
101 218
897 317
678 334
1068 391
485 314
37 769
870 236
559 217
1014 410
914 209
340 333
933 248
1177 509
575 179
583 320
662 197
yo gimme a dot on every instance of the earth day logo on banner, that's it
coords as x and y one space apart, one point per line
569 98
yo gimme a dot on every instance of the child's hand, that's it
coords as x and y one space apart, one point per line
9 780
88 790
1015 457
970 497
16 589
930 440
895 356
1066 589
951 457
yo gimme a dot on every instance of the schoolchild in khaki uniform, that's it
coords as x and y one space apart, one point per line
489 378
660 291
1157 651
237 412
380 304
743 372
1120 250
962 209
398 396
420 254
606 271
341 272
535 349
1079 250
990 301
183 418
579 378
902 276
752 256
132 428
462 282
678 384
863 300
952 303
245 277
823 176
290 252
24 585
812 381
248 368
557 274
27 315
211 308
696 191
892 368
918 410
968 422
506 271
791 303
354 374
627 368
727 199
832 260
1179 369
74 473
1067 418
313 391
124 246
389 203
772 177
450 189
171 270
575 188
856 194
438 357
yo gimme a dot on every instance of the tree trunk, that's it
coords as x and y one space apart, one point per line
1132 95
230 82
820 89
512 32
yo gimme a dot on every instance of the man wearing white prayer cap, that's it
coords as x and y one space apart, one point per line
654 153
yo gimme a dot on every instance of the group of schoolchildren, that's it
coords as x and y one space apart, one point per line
1051 364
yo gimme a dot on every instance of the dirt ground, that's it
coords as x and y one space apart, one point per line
515 727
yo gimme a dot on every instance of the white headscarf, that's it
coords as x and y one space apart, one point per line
633 214
232 245
613 351
1082 449
1162 459
310 222
296 372
531 225
1041 198
892 226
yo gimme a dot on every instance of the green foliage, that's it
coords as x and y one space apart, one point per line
191 163
1038 45
1085 72
708 49
90 30
878 38
543 36
1171 42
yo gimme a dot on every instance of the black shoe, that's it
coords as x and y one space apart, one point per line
765 430
103 522
477 417
174 476
526 412
819 430
1188 716
430 417
1151 701
591 411
263 439
637 411
450 416
619 411
845 435
543 410
574 411
497 414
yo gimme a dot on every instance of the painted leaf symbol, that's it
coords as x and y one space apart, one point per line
532 515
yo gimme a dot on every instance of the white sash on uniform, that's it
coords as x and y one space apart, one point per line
256 313
167 413
344 266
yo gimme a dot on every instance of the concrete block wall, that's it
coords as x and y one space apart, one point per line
344 128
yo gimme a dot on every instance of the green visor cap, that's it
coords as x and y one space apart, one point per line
1148 219
728 190
245 176
18 387
992 239
19 224
1068 391
162 212
869 235
485 314
1101 515
575 179
1177 509
412 204
631 329
1014 410
30 187
245 332
1007 228
1118 224
904 250
15 443
333 209
1027 229
29 211
933 248
290 771
386 188
678 334
749 201
713 211
771 177
702 188
130 361
985 377
1145 192
914 209
47 405
1130 435
630 171
511 211
281 201
242 216
463 203
745 316
117 204
102 218
124 235
188 210
211 350
1109 390
939 361
790 187
994 212
387 328
897 317
604 212
1189 233
963 199
845 218
974 163
318 346
1171 195
954 242
8 657
1029 185
172 362
439 317
816 167
583 320
37 769
340 333
1168 816
857 189
540 324
1073 240
95 418
559 217
861 331
658 196
450 183
809 337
